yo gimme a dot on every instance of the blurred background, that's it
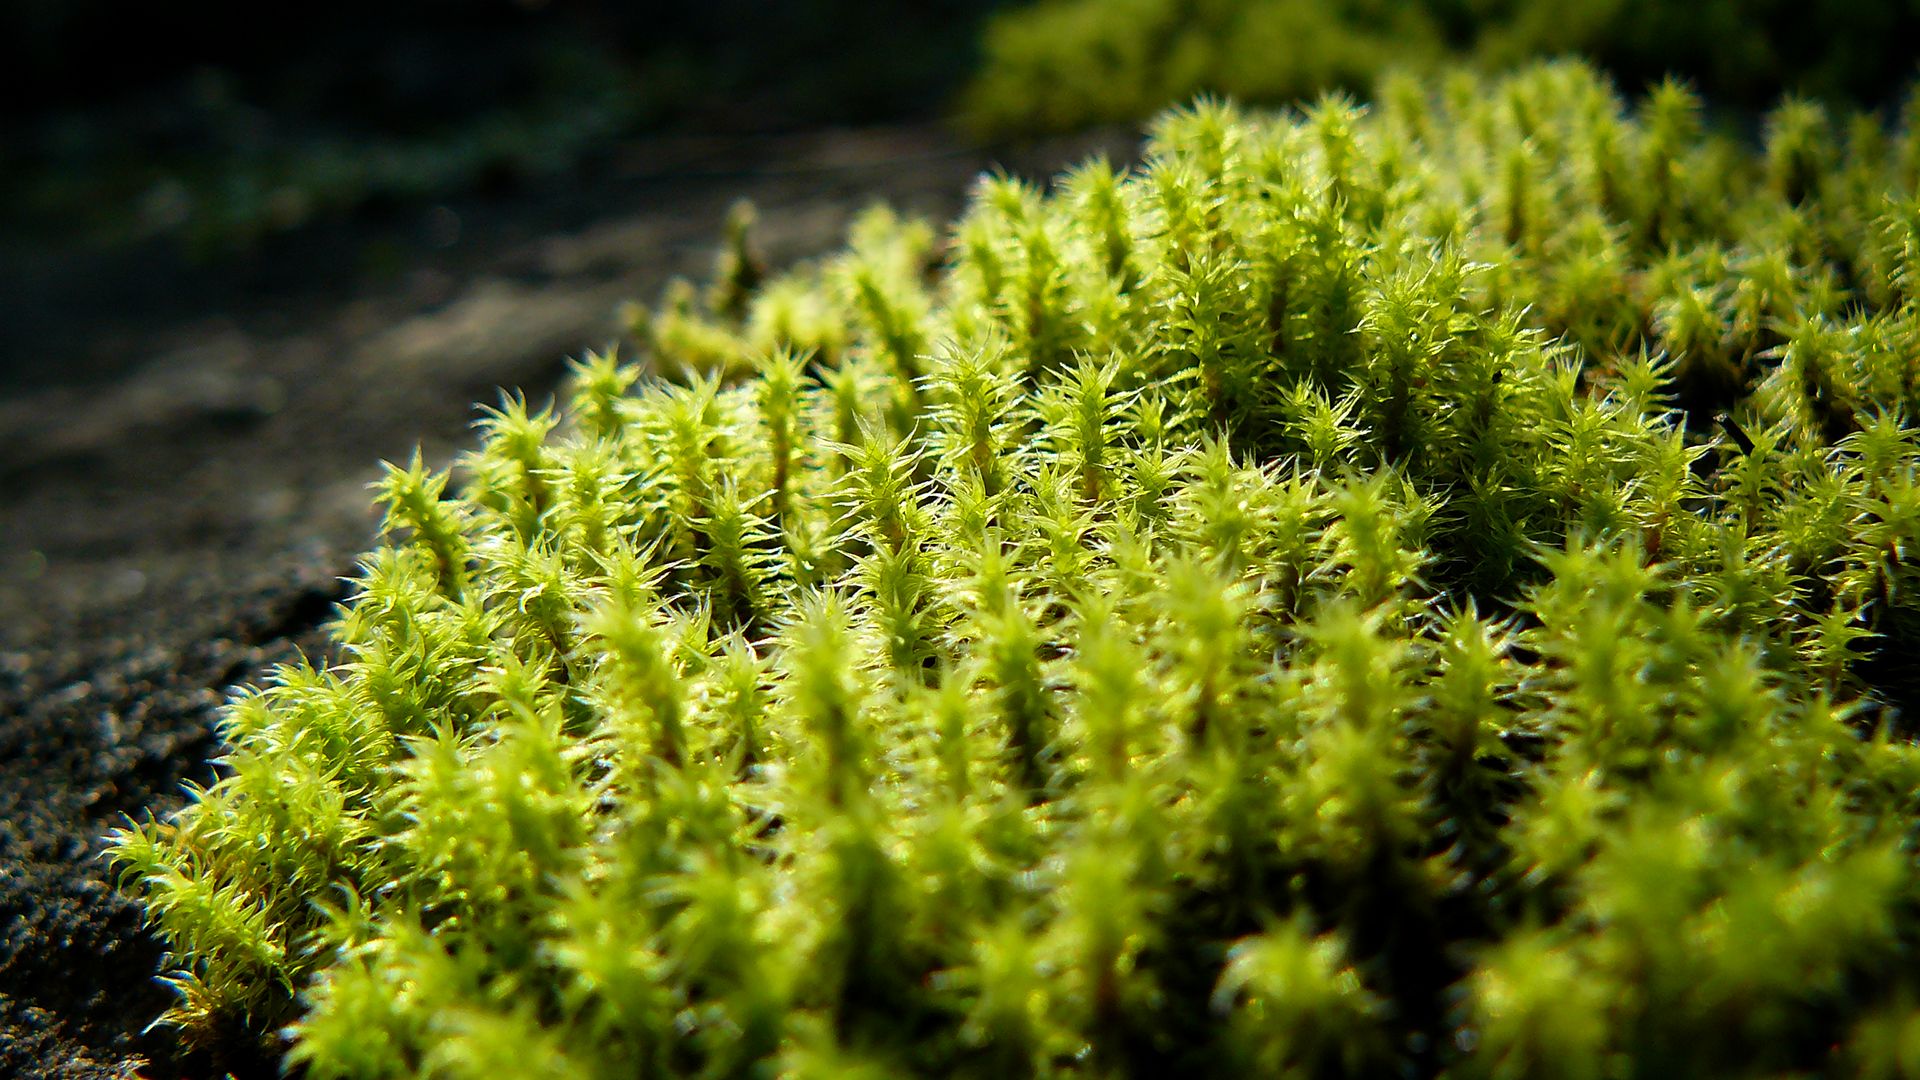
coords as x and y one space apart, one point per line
222 121
219 123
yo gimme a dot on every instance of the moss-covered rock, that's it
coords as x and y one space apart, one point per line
1384 593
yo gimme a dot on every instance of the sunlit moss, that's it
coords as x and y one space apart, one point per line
1265 611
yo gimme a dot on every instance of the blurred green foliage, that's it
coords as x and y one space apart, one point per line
1421 591
1062 64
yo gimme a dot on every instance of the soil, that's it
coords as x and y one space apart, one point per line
184 455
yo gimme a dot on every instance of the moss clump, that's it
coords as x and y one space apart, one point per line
1288 609
1057 65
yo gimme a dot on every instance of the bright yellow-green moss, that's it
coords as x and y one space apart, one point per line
1397 593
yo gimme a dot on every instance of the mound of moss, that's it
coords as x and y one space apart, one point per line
1057 65
1418 592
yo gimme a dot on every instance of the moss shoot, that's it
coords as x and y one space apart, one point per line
1428 590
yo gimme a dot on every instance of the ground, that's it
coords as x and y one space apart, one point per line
184 455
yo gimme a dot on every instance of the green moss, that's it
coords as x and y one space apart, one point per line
1058 65
1418 591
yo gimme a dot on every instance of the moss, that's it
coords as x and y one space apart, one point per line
1412 591
1059 65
